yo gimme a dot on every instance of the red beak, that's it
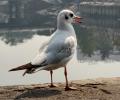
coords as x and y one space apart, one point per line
77 19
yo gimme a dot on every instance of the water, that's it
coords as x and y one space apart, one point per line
12 56
98 49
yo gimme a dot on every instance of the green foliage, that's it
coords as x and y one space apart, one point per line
116 41
104 44
87 40
93 39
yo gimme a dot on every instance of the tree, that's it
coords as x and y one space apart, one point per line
87 40
105 44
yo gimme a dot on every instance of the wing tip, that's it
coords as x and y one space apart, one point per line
14 69
25 66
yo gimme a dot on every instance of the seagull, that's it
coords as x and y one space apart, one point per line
58 50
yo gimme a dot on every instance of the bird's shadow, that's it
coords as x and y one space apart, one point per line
38 93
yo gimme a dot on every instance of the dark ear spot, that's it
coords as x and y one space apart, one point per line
66 17
71 15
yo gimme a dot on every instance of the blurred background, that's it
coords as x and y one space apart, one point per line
25 24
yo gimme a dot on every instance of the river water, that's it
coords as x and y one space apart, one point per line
13 56
100 27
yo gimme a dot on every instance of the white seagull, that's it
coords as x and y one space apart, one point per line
58 50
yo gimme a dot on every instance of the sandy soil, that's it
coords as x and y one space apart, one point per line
96 89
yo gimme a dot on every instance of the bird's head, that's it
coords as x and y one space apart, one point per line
67 16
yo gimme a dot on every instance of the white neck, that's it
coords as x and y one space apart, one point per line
65 26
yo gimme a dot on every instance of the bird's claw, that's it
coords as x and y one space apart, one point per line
53 85
67 88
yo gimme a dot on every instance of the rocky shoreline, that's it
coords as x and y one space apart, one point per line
90 89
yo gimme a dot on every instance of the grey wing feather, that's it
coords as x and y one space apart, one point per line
45 43
54 56
43 46
55 53
62 52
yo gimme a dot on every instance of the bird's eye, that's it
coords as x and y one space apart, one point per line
66 17
71 15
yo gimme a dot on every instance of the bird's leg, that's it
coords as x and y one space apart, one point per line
51 85
67 86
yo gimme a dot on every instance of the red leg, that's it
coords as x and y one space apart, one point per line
51 73
67 86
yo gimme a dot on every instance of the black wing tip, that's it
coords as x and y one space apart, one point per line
20 67
11 70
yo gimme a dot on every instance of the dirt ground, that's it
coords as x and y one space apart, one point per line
96 89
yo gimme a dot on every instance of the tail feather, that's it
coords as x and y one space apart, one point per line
26 66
